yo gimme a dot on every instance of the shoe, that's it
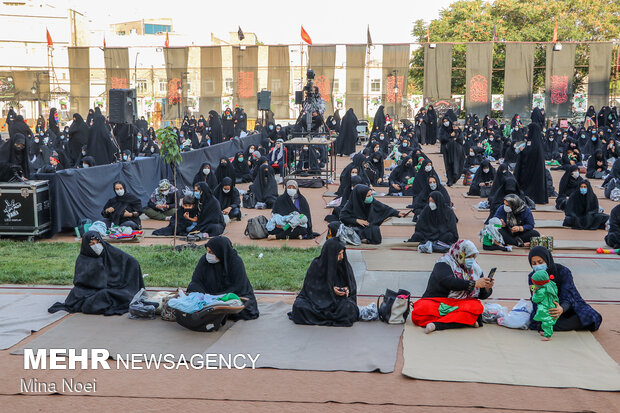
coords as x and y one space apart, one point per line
519 242
426 248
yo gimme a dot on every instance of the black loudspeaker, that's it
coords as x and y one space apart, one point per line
123 107
264 100
299 97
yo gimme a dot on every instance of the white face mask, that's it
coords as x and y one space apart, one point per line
446 124
507 209
225 190
97 248
120 192
575 174
211 258
428 168
291 192
485 170
432 206
433 186
206 171
353 175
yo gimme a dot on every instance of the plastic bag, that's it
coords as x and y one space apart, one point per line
348 235
493 311
369 313
519 316
140 308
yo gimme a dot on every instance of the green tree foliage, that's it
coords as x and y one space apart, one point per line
516 20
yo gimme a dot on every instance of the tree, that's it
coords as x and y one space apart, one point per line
516 20
171 154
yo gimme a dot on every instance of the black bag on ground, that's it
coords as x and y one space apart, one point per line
249 200
207 319
256 227
394 310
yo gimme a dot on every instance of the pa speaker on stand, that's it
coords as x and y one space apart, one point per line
123 107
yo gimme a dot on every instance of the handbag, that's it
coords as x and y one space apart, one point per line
395 306
249 200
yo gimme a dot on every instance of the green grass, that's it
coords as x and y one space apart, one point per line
53 263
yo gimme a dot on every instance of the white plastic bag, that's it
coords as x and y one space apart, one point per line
492 312
519 316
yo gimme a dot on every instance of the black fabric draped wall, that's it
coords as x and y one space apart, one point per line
356 58
438 71
278 80
599 74
176 63
245 72
79 75
518 78
395 57
323 61
559 73
116 69
478 72
210 79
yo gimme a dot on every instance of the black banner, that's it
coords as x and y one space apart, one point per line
518 78
438 71
559 75
479 65
599 74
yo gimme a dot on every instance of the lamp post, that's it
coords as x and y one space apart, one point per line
395 72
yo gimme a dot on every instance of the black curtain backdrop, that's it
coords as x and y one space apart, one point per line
518 78
210 79
478 72
395 57
245 72
278 80
356 58
79 75
175 59
599 74
438 72
559 74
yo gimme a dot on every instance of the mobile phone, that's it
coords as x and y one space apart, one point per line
492 273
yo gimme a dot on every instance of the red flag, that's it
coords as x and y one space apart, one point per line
167 42
305 37
428 34
555 32
50 43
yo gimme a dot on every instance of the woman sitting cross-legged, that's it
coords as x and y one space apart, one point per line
229 199
436 222
454 290
221 271
329 294
517 221
582 211
365 214
210 219
123 209
290 215
105 279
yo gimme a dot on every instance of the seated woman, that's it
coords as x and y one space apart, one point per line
185 218
210 218
105 279
402 177
355 168
582 210
221 271
229 199
436 222
376 162
454 290
205 175
421 201
335 215
161 203
483 180
277 157
365 214
572 312
225 169
597 165
503 184
265 186
569 183
309 160
613 236
517 221
421 179
290 202
242 168
329 294
123 209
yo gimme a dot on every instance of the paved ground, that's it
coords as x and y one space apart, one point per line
388 266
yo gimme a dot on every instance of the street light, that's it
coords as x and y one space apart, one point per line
395 72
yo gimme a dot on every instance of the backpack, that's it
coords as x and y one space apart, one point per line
249 200
395 306
257 227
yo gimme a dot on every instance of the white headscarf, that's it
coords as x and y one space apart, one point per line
455 258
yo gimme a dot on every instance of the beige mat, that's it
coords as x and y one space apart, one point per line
549 223
539 208
394 260
464 194
400 222
516 357
386 244
121 335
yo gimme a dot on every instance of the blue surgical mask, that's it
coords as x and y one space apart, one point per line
196 194
583 191
540 267
593 139
469 263
404 144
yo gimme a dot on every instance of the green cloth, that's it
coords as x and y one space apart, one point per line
487 240
545 297
446 309
229 296
410 181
